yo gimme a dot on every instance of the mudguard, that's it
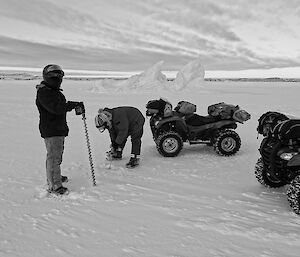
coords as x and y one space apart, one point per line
262 144
177 121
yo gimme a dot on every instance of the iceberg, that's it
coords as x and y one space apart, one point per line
189 75
148 79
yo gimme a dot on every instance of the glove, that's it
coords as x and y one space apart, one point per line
109 155
115 152
71 105
79 108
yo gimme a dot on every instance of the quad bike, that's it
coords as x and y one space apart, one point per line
171 128
279 164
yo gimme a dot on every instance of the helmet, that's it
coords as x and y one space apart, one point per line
52 70
102 121
53 74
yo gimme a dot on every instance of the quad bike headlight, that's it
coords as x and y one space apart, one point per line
288 156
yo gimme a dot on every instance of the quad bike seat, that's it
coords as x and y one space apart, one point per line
196 120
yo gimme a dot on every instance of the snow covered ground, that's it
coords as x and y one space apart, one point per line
196 204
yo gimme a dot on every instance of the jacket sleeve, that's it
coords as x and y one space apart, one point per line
52 102
122 126
112 136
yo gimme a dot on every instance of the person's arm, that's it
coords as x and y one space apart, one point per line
70 105
112 138
122 128
52 102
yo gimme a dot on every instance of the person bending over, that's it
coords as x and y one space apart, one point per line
122 122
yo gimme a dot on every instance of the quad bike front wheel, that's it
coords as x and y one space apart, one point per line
293 194
227 143
264 178
169 144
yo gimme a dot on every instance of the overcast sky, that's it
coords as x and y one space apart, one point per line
133 35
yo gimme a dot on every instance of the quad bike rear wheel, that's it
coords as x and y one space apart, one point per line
227 143
264 178
293 194
169 144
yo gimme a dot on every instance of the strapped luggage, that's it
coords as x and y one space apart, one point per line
241 116
269 120
288 129
161 107
185 108
222 110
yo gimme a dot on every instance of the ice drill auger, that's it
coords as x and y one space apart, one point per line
80 110
89 148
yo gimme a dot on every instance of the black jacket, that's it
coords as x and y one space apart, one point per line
126 120
53 107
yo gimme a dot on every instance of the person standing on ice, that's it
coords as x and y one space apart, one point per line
121 123
52 107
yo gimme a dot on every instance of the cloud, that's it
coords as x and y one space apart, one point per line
230 34
47 14
19 53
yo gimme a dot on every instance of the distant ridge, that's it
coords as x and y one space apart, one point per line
255 79
33 76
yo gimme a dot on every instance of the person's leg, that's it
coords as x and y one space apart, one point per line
55 148
136 142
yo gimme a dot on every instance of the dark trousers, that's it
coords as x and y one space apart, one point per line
136 141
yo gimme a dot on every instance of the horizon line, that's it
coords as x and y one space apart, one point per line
281 73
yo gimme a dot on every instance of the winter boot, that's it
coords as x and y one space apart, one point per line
133 162
64 179
60 191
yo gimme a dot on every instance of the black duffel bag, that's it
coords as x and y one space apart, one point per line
289 129
269 120
161 107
